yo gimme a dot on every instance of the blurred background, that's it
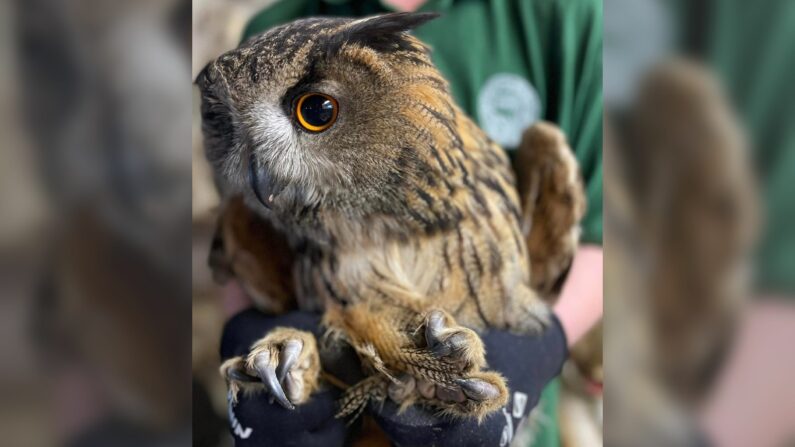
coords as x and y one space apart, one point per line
95 246
699 262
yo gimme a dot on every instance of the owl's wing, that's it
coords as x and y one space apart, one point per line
553 204
251 250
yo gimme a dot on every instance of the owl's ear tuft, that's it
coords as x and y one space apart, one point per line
382 33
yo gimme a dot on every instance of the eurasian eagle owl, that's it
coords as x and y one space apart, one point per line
357 186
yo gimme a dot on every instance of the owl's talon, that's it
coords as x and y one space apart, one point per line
442 350
478 389
267 372
289 355
475 396
459 345
434 324
453 344
285 362
294 388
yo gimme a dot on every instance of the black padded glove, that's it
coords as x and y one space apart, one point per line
528 363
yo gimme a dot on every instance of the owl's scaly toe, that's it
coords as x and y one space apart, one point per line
446 373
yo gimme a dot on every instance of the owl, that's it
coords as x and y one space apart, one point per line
357 187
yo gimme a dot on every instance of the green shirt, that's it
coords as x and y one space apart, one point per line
756 66
509 63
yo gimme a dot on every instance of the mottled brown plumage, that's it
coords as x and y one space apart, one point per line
403 217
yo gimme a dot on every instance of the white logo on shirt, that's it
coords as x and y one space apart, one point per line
507 105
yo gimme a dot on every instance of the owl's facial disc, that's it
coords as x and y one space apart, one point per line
299 124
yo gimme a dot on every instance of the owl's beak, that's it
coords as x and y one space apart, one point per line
265 187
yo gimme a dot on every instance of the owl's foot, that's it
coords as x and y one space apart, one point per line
446 352
285 362
446 373
553 203
440 368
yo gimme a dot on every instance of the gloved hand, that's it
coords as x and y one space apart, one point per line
527 362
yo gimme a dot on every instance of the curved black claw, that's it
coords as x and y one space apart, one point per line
289 355
454 343
267 372
478 389
433 328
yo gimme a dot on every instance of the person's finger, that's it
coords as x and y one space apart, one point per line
234 299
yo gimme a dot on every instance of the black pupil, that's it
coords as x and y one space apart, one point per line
317 110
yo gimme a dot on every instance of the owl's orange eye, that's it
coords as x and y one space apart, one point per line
316 112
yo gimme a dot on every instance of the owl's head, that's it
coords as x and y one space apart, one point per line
327 117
